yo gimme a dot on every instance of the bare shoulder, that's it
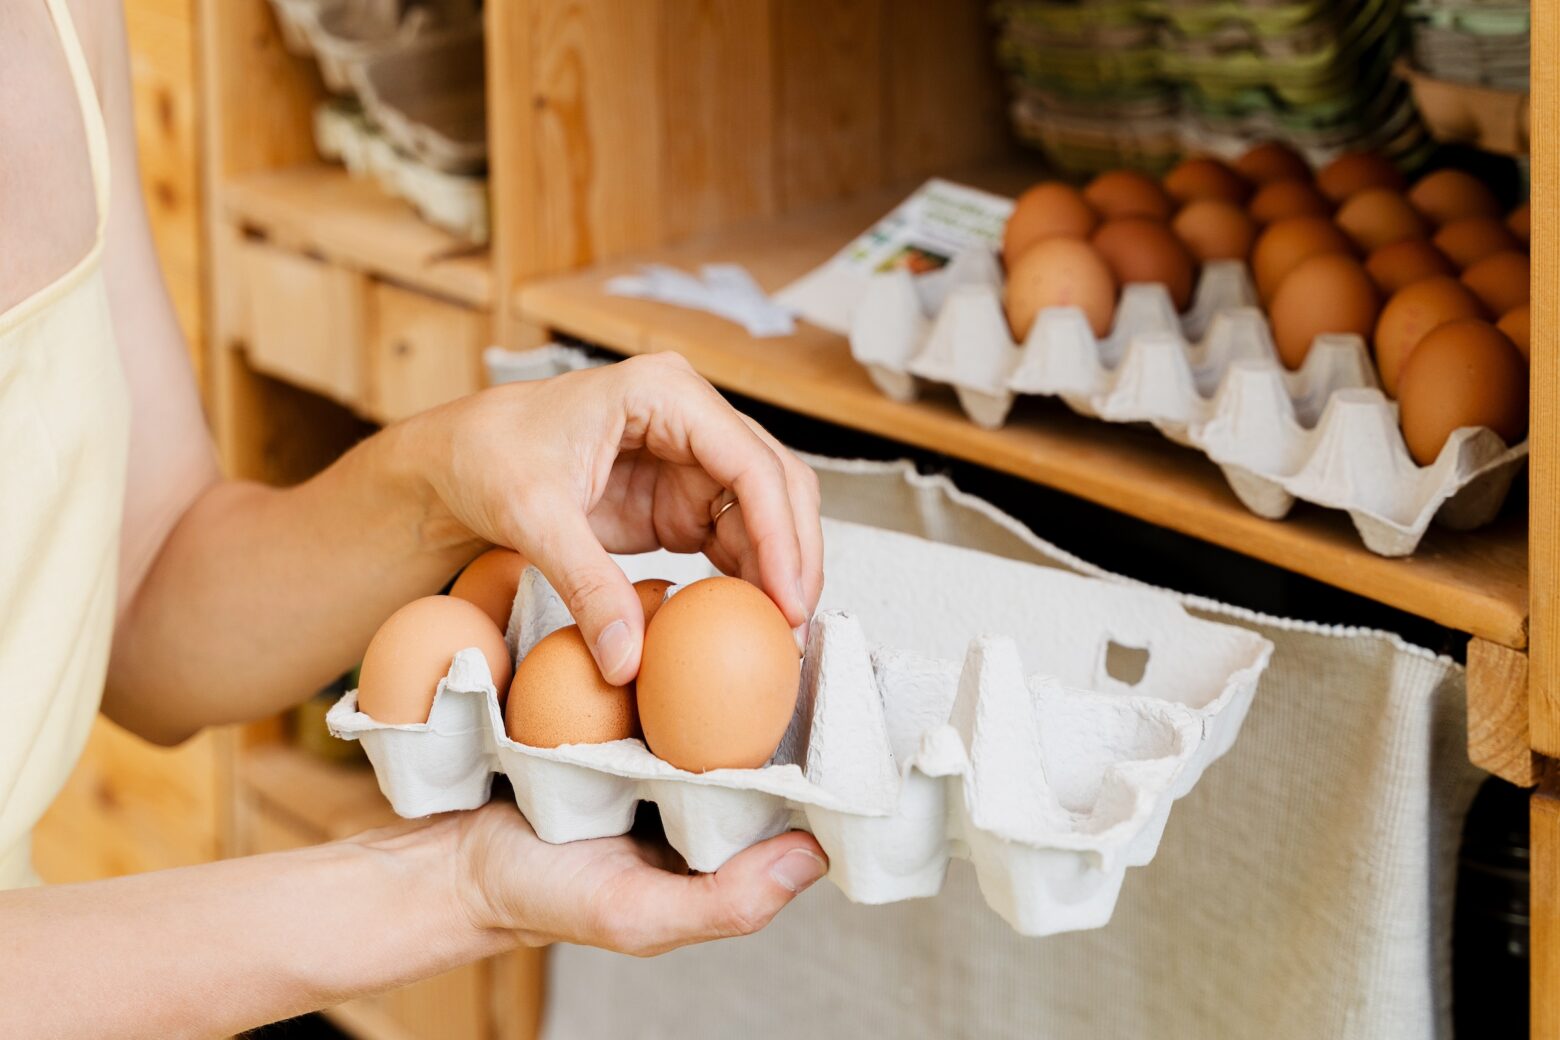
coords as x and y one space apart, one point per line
47 205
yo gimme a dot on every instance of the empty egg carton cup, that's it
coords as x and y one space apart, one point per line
1021 751
1210 379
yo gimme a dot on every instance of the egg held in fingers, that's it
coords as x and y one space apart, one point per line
413 649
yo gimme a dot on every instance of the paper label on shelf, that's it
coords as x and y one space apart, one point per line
724 289
922 235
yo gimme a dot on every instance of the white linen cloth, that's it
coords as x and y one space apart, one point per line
1302 890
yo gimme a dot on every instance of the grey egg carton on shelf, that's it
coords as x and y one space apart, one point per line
1209 379
458 203
952 704
430 97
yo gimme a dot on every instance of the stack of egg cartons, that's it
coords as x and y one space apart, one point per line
409 99
1317 73
1087 86
1483 42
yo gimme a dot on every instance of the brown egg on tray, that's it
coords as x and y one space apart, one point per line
1060 272
1412 313
1463 374
1448 195
1283 245
1401 264
1206 178
1272 161
1048 210
413 649
559 697
1326 293
1141 250
719 678
1278 200
1353 172
1376 217
491 581
1214 229
1128 193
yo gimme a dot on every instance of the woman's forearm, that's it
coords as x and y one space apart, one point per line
216 949
261 595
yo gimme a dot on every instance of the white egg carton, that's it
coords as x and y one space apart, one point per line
920 733
1209 379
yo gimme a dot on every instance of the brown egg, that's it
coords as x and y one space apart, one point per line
559 697
1517 324
1142 250
651 592
491 581
1215 230
1329 292
1465 373
1354 172
1204 178
719 679
1376 217
1401 264
1271 161
1279 200
1411 314
1448 195
1050 209
1471 239
1283 245
1060 272
1519 222
1500 280
413 649
1127 193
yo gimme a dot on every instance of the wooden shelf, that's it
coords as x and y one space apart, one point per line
1475 582
327 800
324 210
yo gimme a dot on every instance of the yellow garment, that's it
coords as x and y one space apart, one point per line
64 428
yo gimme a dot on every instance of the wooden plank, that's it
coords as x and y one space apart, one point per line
308 320
1498 713
324 800
942 93
830 123
1544 432
519 990
717 111
1544 911
1473 582
130 807
259 99
422 352
324 210
162 67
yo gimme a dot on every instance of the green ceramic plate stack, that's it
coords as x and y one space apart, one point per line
1222 73
1483 42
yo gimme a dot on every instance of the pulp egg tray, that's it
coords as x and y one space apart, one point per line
1209 379
952 703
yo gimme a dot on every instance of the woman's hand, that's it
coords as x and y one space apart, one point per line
622 894
623 459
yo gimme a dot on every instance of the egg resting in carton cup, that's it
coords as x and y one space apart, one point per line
952 704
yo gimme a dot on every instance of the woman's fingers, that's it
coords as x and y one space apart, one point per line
603 603
720 440
654 911
802 484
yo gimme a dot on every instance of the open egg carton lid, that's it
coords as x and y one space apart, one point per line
1209 379
953 704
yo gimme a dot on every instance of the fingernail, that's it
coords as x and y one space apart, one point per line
799 633
801 597
613 648
797 869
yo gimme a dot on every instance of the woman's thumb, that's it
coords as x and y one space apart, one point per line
597 593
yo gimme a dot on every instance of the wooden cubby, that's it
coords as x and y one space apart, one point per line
768 133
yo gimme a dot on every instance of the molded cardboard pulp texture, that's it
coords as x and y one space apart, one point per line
458 203
1209 379
920 732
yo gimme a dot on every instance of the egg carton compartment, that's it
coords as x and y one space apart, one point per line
1209 379
1005 736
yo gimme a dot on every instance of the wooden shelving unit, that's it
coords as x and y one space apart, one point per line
324 211
1475 582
